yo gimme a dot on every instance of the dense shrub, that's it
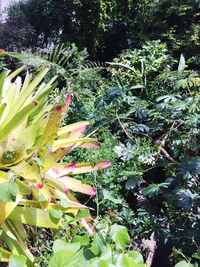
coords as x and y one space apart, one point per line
144 108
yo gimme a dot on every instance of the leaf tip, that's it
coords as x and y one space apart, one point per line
93 192
66 190
39 186
106 164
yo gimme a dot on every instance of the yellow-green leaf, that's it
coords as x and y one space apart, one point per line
7 207
68 142
33 216
5 255
76 185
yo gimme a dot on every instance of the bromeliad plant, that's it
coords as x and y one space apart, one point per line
35 189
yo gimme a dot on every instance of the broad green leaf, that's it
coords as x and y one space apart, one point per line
83 213
107 253
17 261
99 263
61 245
108 195
8 191
119 235
136 256
123 261
56 214
83 240
65 203
61 258
67 258
107 256
98 244
184 264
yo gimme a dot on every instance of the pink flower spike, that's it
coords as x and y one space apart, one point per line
32 155
13 139
35 103
39 186
58 107
49 200
62 148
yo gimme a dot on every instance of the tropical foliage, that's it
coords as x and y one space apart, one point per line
141 103
144 109
35 188
96 24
